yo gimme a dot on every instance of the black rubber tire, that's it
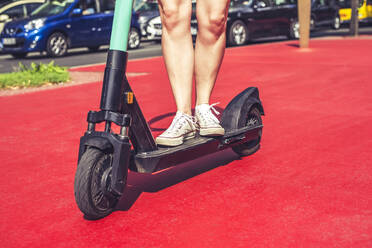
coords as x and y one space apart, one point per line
294 30
19 55
252 146
231 35
57 45
134 39
93 48
94 165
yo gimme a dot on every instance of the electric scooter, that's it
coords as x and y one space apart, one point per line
105 156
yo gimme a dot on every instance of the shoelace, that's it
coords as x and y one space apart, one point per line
210 117
212 108
178 122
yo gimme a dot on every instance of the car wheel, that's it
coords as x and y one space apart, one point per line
93 48
336 22
57 45
134 39
19 55
238 34
294 30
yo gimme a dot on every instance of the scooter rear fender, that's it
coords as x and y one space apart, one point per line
235 113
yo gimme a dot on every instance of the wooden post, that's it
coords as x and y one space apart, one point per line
304 7
354 22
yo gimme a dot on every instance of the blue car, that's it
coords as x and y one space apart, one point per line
61 24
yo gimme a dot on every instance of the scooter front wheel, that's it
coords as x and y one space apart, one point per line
252 146
92 180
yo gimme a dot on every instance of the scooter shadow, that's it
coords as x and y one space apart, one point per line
151 183
154 182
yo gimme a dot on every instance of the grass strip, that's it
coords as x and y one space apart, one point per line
33 76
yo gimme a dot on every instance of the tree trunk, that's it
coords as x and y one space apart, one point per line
354 22
304 8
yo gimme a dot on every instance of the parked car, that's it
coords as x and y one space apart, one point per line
364 11
252 19
153 27
58 25
146 10
11 9
324 13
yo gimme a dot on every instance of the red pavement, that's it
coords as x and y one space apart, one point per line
309 186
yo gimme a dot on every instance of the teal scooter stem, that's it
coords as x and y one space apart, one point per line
115 85
117 57
121 25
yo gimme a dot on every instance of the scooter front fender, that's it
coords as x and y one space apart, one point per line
94 141
119 147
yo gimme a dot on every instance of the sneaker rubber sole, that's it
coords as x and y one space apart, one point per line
212 131
167 141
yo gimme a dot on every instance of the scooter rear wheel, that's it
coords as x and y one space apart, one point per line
92 180
252 146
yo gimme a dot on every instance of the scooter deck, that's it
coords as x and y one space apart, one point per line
164 150
164 157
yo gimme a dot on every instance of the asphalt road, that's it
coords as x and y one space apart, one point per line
82 56
77 57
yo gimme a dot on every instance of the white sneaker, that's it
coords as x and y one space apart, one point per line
209 125
183 127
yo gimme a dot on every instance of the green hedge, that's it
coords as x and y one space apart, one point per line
34 75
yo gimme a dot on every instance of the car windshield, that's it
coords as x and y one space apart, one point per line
146 6
54 7
3 3
347 3
235 3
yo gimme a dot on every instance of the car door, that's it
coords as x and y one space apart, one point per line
260 20
329 11
83 27
105 18
282 14
369 8
320 12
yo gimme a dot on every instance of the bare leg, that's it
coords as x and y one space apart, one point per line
210 45
178 50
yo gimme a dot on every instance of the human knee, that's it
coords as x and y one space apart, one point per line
214 24
173 18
